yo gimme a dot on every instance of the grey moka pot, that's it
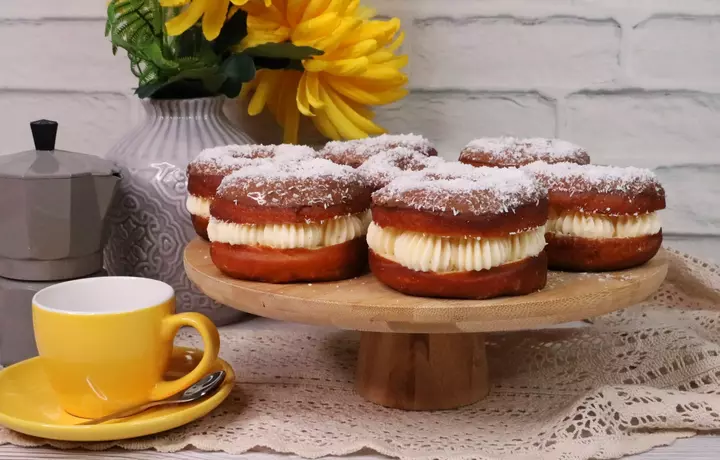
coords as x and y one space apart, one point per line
53 205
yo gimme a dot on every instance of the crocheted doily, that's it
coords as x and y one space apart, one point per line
634 379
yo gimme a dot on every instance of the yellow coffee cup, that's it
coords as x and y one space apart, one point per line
105 342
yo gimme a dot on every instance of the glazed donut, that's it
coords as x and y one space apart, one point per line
355 152
207 170
601 217
506 152
456 231
382 168
285 222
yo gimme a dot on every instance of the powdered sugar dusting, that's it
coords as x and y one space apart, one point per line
573 178
313 182
512 151
459 188
380 169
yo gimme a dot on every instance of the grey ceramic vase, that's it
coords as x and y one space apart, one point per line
149 223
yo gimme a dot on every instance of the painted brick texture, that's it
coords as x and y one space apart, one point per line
676 50
61 54
645 128
451 117
489 51
636 82
89 123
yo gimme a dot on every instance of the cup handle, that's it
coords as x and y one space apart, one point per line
211 348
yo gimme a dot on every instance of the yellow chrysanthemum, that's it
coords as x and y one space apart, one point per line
212 12
359 67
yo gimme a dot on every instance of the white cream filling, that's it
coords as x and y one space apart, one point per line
602 226
312 235
198 206
439 254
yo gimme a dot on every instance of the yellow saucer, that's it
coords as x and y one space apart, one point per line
28 404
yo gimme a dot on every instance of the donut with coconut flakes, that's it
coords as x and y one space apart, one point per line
382 168
286 222
601 217
456 231
207 171
512 152
356 152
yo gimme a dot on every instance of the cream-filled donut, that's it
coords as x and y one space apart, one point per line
209 168
601 217
286 222
459 231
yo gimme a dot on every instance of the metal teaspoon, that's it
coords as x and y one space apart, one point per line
204 387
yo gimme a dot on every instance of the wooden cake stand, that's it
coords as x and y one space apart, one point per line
420 353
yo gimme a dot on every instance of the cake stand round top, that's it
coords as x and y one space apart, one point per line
365 304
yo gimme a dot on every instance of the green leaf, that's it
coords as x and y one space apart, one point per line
211 77
133 26
154 53
231 88
283 51
234 30
147 90
188 41
177 67
271 63
181 89
134 23
201 73
239 67
278 64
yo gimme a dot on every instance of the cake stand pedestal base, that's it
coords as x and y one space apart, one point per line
419 353
422 371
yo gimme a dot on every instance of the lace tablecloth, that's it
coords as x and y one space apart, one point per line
635 379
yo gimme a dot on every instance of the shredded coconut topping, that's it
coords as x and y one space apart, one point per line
355 152
230 157
229 152
380 169
314 182
459 188
574 178
292 152
306 169
511 151
411 141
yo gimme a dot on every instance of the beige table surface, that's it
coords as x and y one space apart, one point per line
698 448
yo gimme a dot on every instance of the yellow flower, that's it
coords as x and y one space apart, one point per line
359 67
213 14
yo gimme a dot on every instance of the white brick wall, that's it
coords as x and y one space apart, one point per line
513 52
635 81
664 49
645 128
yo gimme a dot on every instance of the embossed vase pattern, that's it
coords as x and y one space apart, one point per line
149 223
